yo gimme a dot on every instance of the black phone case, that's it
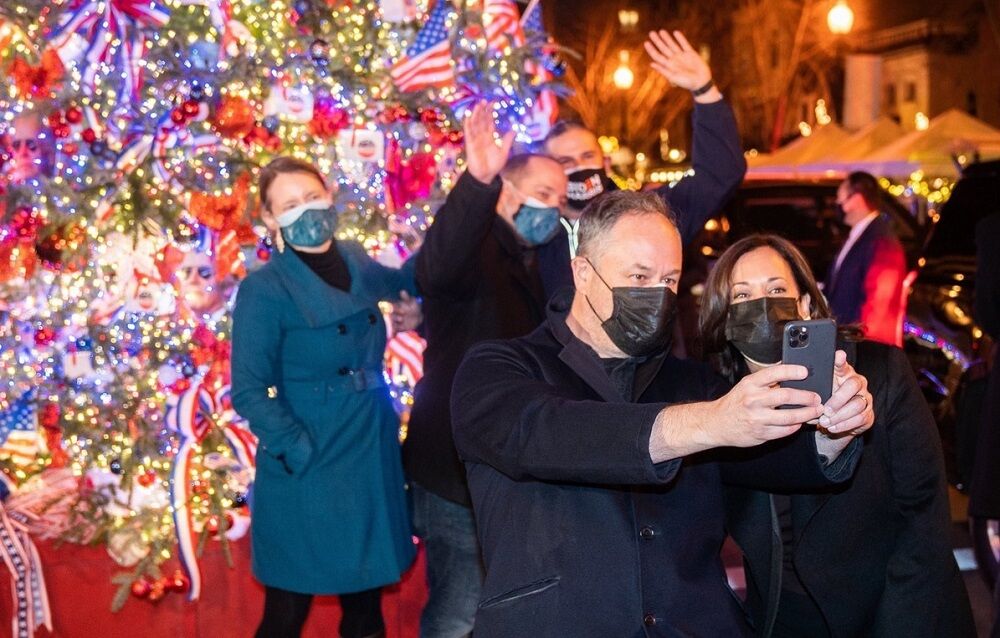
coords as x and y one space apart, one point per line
817 355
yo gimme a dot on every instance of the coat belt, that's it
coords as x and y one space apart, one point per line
347 381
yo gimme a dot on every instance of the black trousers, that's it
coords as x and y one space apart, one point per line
285 613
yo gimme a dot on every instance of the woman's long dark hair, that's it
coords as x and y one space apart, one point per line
715 301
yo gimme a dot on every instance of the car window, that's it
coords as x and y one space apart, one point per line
974 198
795 218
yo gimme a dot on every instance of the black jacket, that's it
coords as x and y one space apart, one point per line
477 284
719 166
875 553
582 535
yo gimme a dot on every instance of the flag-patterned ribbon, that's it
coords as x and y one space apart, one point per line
115 35
192 417
31 598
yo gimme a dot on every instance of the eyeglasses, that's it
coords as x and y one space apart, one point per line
31 145
205 272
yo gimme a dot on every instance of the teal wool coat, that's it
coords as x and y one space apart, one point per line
329 507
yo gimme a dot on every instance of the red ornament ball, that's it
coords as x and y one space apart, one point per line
212 525
141 588
179 582
191 108
177 116
61 131
429 116
157 591
147 479
54 118
44 336
70 148
74 115
89 135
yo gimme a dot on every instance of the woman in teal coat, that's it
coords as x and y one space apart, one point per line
329 506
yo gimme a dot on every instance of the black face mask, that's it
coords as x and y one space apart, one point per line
756 327
586 185
841 215
642 318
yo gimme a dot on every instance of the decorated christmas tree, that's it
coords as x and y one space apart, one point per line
132 130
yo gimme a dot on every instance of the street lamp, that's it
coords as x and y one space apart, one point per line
628 19
623 76
840 19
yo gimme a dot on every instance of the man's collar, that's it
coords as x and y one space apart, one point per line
863 224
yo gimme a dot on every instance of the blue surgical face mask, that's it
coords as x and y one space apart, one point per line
308 225
536 222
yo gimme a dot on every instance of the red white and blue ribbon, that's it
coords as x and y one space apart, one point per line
240 439
192 417
164 145
31 598
115 35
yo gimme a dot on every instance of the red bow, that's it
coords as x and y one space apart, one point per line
34 82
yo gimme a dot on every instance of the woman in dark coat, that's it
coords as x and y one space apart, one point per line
869 558
329 507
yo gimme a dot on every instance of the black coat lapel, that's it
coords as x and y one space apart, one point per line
583 362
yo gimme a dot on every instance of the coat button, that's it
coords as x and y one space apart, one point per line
342 329
371 319
649 620
647 533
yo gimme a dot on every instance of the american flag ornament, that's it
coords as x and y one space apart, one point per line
427 63
544 110
501 19
19 438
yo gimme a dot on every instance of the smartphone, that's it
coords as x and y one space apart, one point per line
812 344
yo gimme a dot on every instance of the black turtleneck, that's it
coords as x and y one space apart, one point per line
328 266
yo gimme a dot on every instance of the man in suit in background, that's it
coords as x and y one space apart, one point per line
865 283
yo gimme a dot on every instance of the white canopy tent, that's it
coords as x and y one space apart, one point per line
953 134
804 151
883 149
864 143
